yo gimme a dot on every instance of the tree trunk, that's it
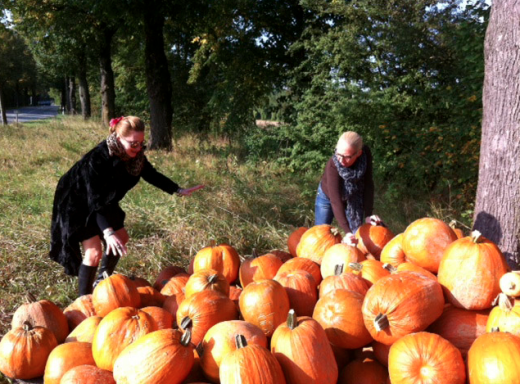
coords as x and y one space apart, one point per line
3 115
72 95
108 95
67 96
84 94
497 208
64 94
158 81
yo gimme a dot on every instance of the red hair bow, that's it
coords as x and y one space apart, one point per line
114 122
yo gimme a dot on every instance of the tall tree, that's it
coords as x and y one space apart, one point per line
497 208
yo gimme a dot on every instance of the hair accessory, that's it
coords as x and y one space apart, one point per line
114 122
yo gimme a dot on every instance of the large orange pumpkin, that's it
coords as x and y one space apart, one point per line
410 267
298 263
347 280
171 304
303 350
393 252
250 364
114 292
259 268
470 272
87 374
161 357
294 239
166 274
161 316
65 357
282 255
373 238
316 240
400 304
85 330
301 289
175 285
150 297
364 371
220 340
265 304
79 310
339 254
206 279
370 270
425 240
24 351
494 359
425 358
505 316
223 258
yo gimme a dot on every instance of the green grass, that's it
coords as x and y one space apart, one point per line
244 205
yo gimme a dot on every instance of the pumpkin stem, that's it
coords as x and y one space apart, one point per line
476 236
338 269
453 224
381 322
186 322
505 302
334 231
356 266
495 329
27 326
200 349
186 338
30 298
240 341
213 279
212 243
390 268
105 275
292 320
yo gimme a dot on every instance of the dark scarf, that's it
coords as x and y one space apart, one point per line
353 188
134 165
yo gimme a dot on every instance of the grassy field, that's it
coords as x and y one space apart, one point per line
247 206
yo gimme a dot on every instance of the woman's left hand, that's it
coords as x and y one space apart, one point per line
189 191
374 220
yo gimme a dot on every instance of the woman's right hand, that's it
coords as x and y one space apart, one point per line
114 243
350 239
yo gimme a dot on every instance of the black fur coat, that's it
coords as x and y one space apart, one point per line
95 183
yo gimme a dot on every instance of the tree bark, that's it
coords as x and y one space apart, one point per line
84 94
67 96
497 207
108 95
72 95
158 81
3 115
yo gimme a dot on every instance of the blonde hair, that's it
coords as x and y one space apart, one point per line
126 125
351 138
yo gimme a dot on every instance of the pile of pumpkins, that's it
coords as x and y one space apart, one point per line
426 306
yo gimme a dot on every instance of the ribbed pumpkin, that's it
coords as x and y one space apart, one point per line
85 331
476 289
381 352
494 359
203 310
372 238
425 240
410 267
393 252
206 279
220 340
282 255
505 316
460 326
24 351
161 316
298 263
400 304
250 364
65 357
42 313
171 304
425 357
150 297
264 304
79 310
120 328
339 313
140 281
510 283
161 357
303 350
370 270
87 374
316 240
339 254
222 258
301 290
259 268
364 371
347 280
114 292
166 274
175 285
294 239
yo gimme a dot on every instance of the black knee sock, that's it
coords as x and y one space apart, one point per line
86 277
108 264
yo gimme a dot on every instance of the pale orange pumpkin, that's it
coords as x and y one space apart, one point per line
410 267
79 310
114 292
298 263
223 258
65 357
372 238
393 252
370 270
87 374
505 316
161 316
301 290
510 283
294 239
344 280
259 268
339 254
85 331
316 240
206 279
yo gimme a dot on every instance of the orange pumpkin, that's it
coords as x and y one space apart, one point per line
339 313
171 304
140 282
294 239
161 357
282 255
265 304
425 358
505 316
393 252
87 374
339 254
370 270
458 231
166 274
493 359
410 267
381 352
24 351
85 331
220 340
259 268
425 240
175 285
203 310
65 357
476 289
342 356
301 290
234 294
364 371
373 238
79 310
223 258
116 331
114 292
42 313
303 350
150 297
206 279
316 240
250 364
161 316
298 263
347 280
400 304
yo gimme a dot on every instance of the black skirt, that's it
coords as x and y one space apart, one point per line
116 217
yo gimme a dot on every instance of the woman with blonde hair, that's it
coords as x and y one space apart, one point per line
346 189
86 207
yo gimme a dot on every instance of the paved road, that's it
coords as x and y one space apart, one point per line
26 114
